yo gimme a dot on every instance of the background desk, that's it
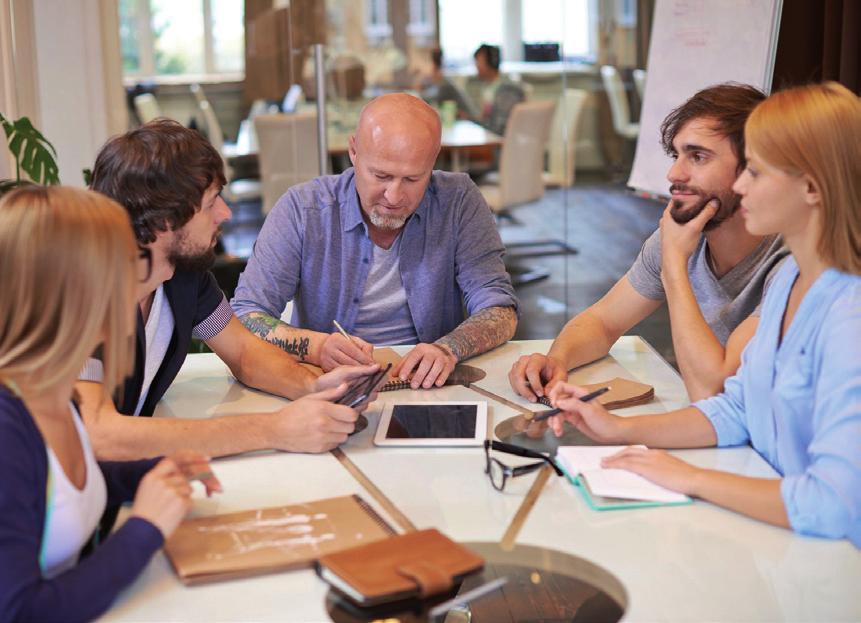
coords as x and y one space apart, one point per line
696 562
456 139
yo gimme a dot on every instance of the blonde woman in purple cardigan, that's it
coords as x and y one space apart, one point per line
70 266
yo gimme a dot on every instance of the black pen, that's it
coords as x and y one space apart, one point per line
543 415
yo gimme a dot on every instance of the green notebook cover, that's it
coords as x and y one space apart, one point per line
600 503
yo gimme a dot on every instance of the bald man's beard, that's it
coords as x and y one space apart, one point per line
728 205
390 223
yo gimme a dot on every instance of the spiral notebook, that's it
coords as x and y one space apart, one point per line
267 540
461 375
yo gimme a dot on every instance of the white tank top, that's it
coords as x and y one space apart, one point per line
71 515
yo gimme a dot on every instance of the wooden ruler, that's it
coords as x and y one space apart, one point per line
510 536
519 408
393 511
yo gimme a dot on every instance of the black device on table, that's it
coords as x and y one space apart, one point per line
359 391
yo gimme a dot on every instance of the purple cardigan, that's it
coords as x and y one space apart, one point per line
87 590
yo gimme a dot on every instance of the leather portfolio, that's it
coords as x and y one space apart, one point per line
416 564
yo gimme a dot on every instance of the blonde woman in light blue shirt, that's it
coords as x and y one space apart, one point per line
797 396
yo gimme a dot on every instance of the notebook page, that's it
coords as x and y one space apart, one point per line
614 483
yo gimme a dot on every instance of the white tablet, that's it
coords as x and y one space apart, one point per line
432 424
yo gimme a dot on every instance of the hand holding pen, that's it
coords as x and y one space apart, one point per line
540 416
578 407
342 349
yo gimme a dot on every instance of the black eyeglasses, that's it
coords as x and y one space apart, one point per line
144 264
499 472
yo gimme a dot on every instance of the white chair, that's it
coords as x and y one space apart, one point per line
619 108
520 180
287 152
521 160
147 108
236 190
640 82
563 138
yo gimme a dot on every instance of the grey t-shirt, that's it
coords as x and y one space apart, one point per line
384 316
724 302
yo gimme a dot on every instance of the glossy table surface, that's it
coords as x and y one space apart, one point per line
696 562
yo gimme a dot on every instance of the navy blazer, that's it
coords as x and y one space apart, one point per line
193 297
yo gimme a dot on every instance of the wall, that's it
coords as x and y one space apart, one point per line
78 111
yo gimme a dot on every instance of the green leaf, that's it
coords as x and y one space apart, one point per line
32 151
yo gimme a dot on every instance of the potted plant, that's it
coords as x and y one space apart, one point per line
32 152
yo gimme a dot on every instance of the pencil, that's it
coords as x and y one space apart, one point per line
543 415
342 332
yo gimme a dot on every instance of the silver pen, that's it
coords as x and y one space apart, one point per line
468 596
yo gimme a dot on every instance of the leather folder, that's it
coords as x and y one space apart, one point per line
416 564
267 540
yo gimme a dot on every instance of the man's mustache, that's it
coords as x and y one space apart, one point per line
685 189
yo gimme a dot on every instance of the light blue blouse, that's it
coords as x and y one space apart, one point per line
798 403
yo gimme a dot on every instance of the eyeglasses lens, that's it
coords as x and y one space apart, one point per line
497 475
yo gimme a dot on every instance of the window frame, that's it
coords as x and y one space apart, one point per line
381 27
146 53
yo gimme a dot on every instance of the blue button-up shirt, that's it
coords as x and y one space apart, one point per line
314 249
798 402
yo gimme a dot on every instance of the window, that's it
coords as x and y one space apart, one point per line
562 21
378 26
422 24
188 40
465 25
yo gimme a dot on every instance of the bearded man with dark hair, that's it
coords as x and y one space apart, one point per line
701 261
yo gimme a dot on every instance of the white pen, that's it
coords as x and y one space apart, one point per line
468 596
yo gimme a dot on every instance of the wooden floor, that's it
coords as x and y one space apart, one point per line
605 223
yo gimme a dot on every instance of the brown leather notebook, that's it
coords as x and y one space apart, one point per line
416 564
266 540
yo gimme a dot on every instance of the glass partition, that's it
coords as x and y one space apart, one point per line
553 179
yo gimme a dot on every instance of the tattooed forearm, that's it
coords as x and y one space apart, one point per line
265 327
480 332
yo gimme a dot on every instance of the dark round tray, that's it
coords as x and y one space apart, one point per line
543 585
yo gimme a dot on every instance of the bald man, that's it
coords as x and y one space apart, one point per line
393 250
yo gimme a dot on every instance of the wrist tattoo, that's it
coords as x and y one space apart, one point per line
264 327
479 333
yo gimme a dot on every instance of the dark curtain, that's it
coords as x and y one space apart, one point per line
819 41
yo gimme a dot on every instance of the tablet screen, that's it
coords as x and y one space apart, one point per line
418 421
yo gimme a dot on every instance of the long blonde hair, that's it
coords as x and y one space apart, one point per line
67 260
815 130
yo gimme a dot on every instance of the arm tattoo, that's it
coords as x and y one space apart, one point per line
264 327
480 332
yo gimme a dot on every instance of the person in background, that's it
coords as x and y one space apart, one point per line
169 178
70 263
499 94
437 89
797 396
701 261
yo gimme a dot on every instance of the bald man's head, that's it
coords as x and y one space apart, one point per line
393 151
398 121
